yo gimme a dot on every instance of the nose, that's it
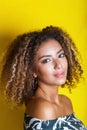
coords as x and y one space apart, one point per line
57 64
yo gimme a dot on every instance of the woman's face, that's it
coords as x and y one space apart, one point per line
51 64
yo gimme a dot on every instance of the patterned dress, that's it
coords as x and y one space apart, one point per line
69 122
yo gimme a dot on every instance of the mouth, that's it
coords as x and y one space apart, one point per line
59 75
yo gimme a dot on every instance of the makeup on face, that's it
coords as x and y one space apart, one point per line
51 63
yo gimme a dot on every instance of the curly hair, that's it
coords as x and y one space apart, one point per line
17 72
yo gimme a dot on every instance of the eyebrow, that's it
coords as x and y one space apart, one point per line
50 55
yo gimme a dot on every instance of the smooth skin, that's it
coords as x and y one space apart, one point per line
51 70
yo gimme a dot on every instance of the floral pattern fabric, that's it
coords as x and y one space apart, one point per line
69 122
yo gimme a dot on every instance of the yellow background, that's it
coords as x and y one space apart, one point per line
19 16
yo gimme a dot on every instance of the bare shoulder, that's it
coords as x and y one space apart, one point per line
67 102
41 109
65 98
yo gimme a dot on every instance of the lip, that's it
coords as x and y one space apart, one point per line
60 75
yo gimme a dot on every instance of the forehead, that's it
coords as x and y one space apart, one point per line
49 45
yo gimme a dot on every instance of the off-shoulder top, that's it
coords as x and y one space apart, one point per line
69 122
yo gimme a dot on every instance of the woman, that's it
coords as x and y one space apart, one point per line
36 65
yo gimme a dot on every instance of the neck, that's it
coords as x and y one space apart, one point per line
49 93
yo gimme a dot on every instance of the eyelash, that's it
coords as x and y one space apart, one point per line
45 61
62 55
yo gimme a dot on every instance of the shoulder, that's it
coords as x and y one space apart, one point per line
65 98
41 109
67 103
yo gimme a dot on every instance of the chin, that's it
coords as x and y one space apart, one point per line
62 82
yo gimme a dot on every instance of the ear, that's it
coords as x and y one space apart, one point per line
35 75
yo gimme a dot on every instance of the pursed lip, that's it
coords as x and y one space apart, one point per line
59 75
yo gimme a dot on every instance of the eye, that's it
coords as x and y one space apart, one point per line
62 55
46 60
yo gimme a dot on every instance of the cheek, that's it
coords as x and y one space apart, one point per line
43 71
66 67
65 64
